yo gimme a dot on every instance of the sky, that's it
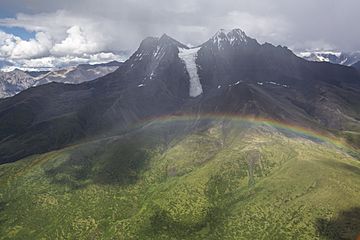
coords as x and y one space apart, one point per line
40 34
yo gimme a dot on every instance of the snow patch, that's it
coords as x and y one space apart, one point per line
273 83
307 54
344 61
152 75
189 57
156 53
277 84
234 84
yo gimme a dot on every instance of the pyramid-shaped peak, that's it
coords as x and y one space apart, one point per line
151 43
167 40
148 42
166 37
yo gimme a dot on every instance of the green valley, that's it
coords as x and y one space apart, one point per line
217 180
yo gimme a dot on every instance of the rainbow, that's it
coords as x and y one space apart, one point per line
321 135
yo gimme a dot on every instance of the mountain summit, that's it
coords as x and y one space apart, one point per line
230 37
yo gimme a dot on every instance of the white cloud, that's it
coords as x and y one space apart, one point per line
65 26
54 24
33 48
263 28
41 53
105 57
60 40
13 47
7 44
53 62
75 43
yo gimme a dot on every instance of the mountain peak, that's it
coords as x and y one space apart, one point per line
226 32
234 34
167 40
165 36
229 37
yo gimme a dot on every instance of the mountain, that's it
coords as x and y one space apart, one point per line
13 82
237 75
36 73
16 81
336 57
232 139
78 74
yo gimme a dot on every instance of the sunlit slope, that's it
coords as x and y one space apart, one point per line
223 180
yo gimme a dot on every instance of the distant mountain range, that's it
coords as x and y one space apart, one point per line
336 57
16 81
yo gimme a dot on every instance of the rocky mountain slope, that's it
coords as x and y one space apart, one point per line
237 75
16 81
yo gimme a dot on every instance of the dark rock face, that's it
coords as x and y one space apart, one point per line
357 66
238 75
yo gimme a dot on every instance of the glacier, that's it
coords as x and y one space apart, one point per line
189 58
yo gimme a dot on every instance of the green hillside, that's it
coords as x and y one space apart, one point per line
224 180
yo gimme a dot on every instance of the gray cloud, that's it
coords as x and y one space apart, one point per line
114 25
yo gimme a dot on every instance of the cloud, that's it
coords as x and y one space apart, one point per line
42 53
75 43
52 62
60 40
13 47
265 28
318 45
107 33
33 48
70 29
7 44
